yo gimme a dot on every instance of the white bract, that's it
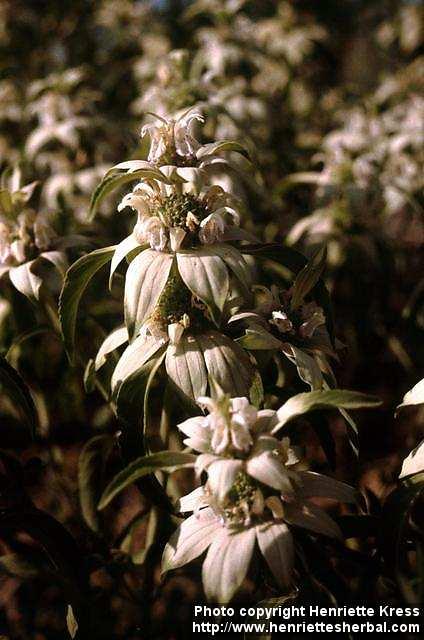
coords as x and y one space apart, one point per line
256 490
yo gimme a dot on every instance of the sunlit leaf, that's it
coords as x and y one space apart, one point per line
334 398
71 622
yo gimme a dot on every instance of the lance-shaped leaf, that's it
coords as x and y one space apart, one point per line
76 281
226 363
129 166
90 476
145 280
414 396
25 280
12 384
165 461
215 148
227 562
306 366
257 338
334 398
115 179
206 275
308 277
185 365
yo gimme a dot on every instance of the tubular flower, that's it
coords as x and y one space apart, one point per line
25 239
300 332
256 491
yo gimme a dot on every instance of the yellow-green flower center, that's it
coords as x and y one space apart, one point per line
182 210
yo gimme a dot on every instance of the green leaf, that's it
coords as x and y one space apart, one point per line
165 461
6 204
145 280
90 476
12 384
220 147
258 340
76 281
308 277
256 392
334 398
206 275
306 366
118 179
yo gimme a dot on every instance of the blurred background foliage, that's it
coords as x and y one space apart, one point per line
329 99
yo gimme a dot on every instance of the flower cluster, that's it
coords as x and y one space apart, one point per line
257 490
178 207
298 331
25 238
184 266
371 167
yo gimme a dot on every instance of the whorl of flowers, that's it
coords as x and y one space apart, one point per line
183 208
256 490
285 321
185 269
25 238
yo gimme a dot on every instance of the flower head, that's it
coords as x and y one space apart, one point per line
256 490
185 213
297 331
25 238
